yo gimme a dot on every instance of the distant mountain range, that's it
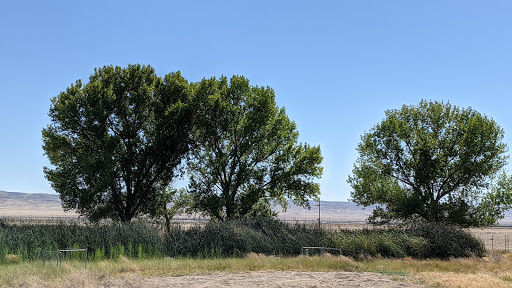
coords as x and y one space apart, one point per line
53 198
16 204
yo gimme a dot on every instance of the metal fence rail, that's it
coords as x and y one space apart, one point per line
47 254
69 250
321 250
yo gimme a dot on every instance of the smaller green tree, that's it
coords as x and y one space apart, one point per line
247 154
436 162
171 203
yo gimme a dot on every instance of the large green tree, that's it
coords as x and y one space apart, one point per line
436 162
115 143
247 156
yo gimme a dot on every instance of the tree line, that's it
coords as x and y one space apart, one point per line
117 143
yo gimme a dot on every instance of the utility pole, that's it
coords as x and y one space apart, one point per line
319 225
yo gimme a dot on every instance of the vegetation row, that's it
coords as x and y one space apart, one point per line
118 141
236 238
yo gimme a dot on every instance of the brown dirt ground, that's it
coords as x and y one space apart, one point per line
269 279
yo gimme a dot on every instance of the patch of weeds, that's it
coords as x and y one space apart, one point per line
12 259
506 278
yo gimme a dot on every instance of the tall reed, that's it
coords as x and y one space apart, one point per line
28 239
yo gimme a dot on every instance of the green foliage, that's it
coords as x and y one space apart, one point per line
392 243
247 154
31 238
232 238
174 201
436 162
99 254
115 143
417 240
235 238
447 240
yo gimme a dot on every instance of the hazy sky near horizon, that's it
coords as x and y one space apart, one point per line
335 66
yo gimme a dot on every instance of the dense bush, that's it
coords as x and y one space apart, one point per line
141 239
447 240
393 243
239 237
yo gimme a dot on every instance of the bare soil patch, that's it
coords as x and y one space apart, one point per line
267 279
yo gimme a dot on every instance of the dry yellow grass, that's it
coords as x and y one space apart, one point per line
495 270
461 280
12 259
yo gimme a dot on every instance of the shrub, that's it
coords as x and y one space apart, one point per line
446 240
393 243
239 237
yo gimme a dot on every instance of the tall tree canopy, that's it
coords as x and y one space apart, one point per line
436 162
247 153
115 142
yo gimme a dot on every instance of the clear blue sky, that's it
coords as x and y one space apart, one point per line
335 66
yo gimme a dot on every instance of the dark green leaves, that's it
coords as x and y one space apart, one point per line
433 161
247 154
115 142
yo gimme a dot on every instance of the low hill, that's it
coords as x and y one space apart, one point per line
16 204
40 205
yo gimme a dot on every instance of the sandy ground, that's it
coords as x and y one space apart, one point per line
267 278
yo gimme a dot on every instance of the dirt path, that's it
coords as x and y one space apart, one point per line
268 279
